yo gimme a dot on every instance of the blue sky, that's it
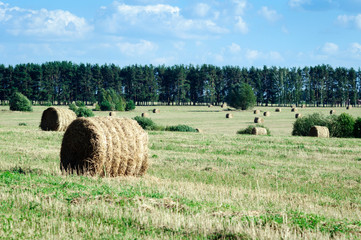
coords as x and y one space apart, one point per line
286 33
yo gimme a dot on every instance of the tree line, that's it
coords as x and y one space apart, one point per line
65 82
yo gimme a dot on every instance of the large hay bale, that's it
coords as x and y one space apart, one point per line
210 105
256 111
199 130
258 120
224 105
229 115
105 146
298 115
319 131
349 107
294 110
112 114
56 119
145 114
259 131
156 110
278 110
303 106
267 114
332 111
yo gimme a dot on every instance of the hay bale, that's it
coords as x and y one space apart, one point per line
112 114
303 106
56 119
267 114
199 130
229 115
298 115
104 146
256 112
210 105
259 131
145 114
319 131
332 112
293 106
156 110
278 110
224 105
349 107
258 120
294 110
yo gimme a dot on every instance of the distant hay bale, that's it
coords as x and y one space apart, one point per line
259 131
145 114
256 111
224 105
332 111
156 110
56 119
267 114
303 106
258 120
210 105
294 110
199 130
319 131
278 110
298 115
112 114
349 107
293 106
104 146
229 115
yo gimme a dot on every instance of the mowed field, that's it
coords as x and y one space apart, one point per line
211 185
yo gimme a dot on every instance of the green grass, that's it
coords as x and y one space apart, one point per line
211 185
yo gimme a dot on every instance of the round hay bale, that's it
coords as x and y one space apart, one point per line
332 112
319 131
112 114
298 115
278 110
199 130
56 119
259 131
229 115
224 105
293 106
303 106
267 114
145 114
210 105
294 110
156 110
258 120
349 107
104 146
256 112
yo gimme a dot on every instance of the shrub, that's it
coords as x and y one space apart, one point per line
242 97
146 123
19 102
23 124
84 112
130 106
79 104
73 107
180 128
302 126
248 130
357 128
343 127
120 106
47 103
106 106
97 107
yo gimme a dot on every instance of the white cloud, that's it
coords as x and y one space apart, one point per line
347 20
241 25
42 23
273 56
269 14
329 48
202 9
240 6
143 47
356 48
234 48
297 3
252 54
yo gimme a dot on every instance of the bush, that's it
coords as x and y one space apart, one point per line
73 107
343 127
302 126
106 106
248 130
19 102
357 128
130 106
97 107
48 104
242 97
180 128
84 112
79 104
146 123
120 106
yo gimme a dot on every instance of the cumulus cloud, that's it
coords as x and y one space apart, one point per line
356 48
330 48
347 20
202 9
157 19
136 49
273 56
241 25
269 14
297 3
42 23
234 48
240 6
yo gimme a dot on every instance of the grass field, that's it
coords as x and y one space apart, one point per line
215 185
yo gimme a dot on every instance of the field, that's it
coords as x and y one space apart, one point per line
211 185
